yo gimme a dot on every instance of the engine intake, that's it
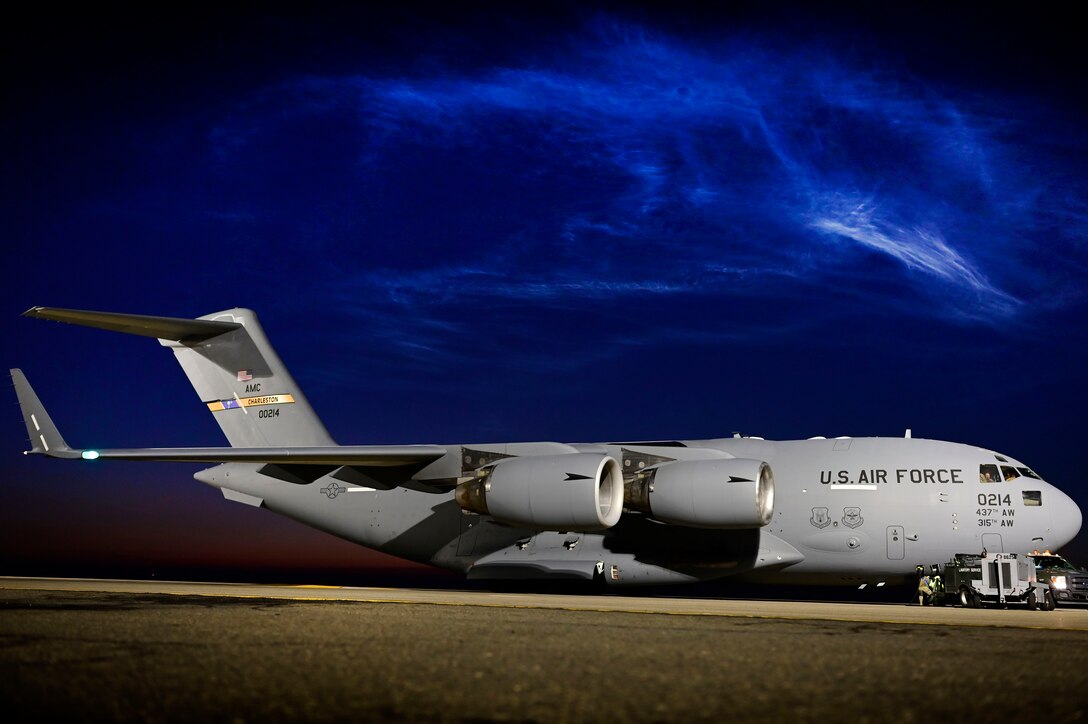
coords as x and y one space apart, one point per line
571 492
734 493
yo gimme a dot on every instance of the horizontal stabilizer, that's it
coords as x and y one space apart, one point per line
186 331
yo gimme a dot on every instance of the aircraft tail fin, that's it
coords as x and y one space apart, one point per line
231 365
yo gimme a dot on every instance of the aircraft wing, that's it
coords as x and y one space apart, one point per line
352 455
45 439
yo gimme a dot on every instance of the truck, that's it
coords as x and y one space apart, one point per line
1067 582
999 579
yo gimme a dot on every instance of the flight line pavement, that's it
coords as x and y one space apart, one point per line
1070 619
174 651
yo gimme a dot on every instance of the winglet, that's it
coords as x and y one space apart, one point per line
45 439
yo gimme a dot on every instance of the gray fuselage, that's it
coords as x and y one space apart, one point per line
846 510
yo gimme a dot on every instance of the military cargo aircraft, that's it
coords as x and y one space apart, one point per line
824 511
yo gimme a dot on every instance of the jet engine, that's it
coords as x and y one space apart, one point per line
733 493
570 492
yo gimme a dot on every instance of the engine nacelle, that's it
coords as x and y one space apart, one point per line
571 492
733 493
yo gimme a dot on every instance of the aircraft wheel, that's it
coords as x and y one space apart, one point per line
1050 604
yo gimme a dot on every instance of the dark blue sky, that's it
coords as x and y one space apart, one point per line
558 222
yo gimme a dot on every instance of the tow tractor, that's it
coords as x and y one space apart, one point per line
999 579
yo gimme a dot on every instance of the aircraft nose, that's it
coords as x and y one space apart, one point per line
1065 518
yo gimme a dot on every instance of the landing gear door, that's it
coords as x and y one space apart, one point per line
896 549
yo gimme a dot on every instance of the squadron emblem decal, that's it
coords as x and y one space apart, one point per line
820 518
851 517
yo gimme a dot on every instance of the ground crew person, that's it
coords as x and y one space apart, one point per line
925 586
938 587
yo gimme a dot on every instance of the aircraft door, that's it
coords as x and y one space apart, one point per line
992 543
896 549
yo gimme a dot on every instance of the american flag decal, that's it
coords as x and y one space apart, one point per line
245 375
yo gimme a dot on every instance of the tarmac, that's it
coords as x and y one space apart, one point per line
177 651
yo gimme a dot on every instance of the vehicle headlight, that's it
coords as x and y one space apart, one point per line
1059 582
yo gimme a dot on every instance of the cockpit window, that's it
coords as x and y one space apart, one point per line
1009 472
1028 472
988 474
1033 497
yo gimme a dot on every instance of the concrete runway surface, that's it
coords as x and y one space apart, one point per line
164 651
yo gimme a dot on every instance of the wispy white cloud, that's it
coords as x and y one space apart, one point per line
446 284
919 250
659 168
